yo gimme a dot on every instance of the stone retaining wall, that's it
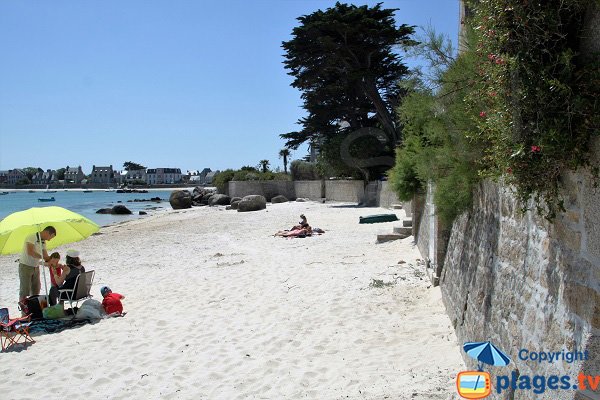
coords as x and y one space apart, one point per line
379 193
313 190
269 189
351 191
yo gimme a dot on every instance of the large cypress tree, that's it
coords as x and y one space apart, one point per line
345 62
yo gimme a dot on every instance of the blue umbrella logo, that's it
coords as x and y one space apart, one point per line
486 352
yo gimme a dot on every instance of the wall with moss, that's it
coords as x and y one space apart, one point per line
525 283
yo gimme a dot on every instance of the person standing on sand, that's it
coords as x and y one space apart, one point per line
29 272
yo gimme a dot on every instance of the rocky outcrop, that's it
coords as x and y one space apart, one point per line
253 202
201 196
116 210
219 200
279 199
180 199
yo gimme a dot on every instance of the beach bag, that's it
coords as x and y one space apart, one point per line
35 305
54 312
90 309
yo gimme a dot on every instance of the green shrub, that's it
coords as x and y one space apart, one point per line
221 179
303 171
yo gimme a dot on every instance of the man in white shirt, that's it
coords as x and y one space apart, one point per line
29 272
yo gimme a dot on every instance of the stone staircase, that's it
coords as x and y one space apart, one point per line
400 231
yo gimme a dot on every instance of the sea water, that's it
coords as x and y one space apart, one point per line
86 203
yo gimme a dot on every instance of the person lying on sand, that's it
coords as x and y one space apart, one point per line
296 232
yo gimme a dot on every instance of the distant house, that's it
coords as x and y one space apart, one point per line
42 177
74 175
3 177
161 176
15 175
102 175
136 175
208 179
120 177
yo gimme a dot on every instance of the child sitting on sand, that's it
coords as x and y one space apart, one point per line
112 302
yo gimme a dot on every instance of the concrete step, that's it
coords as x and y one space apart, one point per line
390 236
403 230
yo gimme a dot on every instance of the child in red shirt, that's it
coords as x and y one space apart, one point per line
112 301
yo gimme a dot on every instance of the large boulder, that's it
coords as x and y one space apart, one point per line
234 199
118 210
121 210
253 202
279 199
219 200
234 204
180 199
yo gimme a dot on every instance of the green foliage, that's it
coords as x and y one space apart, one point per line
437 147
131 166
60 173
30 172
403 176
304 171
536 96
345 61
221 179
518 104
263 165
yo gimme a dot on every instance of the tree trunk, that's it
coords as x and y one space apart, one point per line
383 115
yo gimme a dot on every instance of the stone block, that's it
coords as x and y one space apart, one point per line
591 219
569 237
407 222
389 237
585 302
403 230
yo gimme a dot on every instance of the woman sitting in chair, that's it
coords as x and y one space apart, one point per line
74 268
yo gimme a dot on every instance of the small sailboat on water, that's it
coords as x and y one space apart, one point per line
46 199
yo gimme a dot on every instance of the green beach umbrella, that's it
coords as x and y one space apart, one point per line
70 227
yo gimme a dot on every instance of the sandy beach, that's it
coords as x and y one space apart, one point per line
218 308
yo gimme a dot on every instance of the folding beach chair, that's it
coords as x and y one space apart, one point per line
13 331
81 290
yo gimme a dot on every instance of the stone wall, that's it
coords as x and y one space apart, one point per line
524 283
351 191
313 190
386 197
378 194
269 189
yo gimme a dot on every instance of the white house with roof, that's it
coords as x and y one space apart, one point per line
161 176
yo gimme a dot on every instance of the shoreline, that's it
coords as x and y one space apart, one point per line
218 308
189 188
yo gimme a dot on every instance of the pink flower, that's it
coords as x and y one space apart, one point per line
493 94
536 149
509 170
483 114
491 57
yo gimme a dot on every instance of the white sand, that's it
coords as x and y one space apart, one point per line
219 309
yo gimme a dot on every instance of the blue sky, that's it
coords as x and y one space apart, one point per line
165 83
